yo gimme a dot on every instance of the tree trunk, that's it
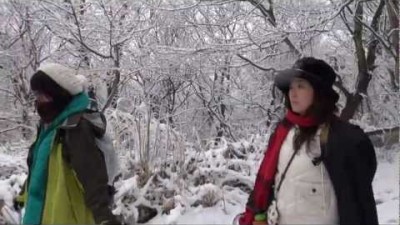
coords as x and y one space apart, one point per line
83 52
113 88
365 63
269 14
392 7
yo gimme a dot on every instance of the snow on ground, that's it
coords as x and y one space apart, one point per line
386 188
11 176
222 213
213 215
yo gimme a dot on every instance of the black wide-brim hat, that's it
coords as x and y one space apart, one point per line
316 71
283 79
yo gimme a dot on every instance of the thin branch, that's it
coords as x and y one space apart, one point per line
255 65
78 27
16 127
176 9
130 33
381 40
16 39
393 31
342 88
346 22
72 40
334 15
223 2
75 37
8 92
9 129
374 20
269 14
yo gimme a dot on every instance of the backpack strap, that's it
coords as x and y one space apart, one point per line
72 121
286 169
324 133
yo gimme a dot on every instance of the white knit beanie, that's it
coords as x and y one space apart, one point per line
64 77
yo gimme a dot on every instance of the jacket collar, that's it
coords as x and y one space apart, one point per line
72 121
96 119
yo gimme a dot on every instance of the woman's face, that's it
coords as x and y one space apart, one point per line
301 95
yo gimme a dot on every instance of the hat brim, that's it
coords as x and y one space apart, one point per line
285 77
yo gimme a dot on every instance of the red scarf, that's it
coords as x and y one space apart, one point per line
258 200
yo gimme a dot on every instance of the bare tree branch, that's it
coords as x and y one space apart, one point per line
254 64
346 22
339 84
269 14
379 37
335 14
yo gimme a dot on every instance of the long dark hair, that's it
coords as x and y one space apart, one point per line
323 109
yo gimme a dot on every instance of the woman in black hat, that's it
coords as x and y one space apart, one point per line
317 169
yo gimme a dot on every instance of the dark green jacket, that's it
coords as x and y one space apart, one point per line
75 143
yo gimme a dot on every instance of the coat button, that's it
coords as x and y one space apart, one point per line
314 190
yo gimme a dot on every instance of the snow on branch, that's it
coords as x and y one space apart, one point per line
255 64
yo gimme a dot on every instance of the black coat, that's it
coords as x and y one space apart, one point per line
351 163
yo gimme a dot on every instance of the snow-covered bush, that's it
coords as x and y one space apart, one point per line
209 195
162 171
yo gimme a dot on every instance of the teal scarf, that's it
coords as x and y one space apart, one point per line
41 152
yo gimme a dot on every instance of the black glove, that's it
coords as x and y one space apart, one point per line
113 221
17 205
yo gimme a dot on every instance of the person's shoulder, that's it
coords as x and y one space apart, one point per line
342 124
347 129
87 121
96 121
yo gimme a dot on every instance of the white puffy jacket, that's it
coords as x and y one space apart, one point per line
306 195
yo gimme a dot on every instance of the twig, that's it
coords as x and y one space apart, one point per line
254 64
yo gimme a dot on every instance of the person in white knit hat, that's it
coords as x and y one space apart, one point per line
67 179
